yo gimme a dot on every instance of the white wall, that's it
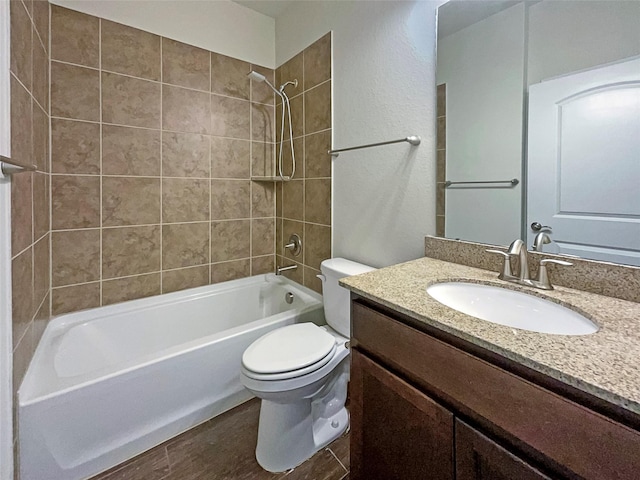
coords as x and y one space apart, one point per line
383 89
221 26
483 67
574 35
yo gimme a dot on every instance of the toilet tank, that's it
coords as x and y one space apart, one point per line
336 298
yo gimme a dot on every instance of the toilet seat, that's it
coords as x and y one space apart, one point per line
289 352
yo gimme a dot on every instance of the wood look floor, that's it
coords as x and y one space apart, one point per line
224 449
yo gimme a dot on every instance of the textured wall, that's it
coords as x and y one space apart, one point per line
153 145
383 81
304 203
29 191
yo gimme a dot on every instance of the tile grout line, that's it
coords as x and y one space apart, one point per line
50 163
210 153
161 165
101 166
336 457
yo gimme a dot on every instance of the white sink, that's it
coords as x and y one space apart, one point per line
511 308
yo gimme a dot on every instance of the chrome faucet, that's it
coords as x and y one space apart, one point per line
279 270
541 239
519 250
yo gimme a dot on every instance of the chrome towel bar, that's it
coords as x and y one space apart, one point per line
412 139
513 182
9 167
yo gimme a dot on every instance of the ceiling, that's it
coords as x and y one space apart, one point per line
271 8
455 15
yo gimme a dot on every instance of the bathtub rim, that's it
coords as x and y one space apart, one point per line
59 324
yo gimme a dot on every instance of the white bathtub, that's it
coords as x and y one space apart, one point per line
109 383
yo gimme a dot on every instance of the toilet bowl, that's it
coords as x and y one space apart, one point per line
301 372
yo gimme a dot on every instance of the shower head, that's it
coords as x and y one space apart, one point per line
253 75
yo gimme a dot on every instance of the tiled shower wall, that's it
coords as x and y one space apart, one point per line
29 191
441 166
303 204
153 146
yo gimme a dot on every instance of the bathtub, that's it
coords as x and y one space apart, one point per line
109 383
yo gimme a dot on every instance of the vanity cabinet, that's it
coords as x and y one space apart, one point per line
425 404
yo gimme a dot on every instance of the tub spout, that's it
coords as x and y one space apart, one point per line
279 270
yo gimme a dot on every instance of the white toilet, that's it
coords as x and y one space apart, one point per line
301 372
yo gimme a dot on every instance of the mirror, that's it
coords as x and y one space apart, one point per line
539 125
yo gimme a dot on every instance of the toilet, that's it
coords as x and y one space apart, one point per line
301 373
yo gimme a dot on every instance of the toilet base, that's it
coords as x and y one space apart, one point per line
290 433
287 436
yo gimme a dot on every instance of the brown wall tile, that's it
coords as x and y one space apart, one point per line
293 200
76 201
130 201
262 265
185 200
130 288
75 257
230 117
130 151
229 76
40 204
41 270
262 236
74 37
183 278
262 159
130 251
225 271
230 199
317 62
185 110
311 280
21 115
260 91
130 101
40 75
262 123
22 294
317 201
317 108
230 158
40 138
75 92
185 155
21 208
185 245
318 240
22 355
75 147
185 65
289 71
74 298
317 162
21 50
262 200
130 51
41 21
230 240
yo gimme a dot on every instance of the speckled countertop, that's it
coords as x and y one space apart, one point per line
605 364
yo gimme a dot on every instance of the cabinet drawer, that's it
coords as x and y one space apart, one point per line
566 437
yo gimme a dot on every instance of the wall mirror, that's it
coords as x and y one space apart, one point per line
539 125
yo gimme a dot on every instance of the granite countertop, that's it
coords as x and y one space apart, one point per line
605 364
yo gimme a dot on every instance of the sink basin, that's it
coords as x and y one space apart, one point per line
511 308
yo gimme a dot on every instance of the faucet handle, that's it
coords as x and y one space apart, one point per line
543 277
506 267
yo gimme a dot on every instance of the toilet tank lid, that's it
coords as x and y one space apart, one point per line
341 267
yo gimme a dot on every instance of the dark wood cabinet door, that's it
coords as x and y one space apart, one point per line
397 432
479 458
